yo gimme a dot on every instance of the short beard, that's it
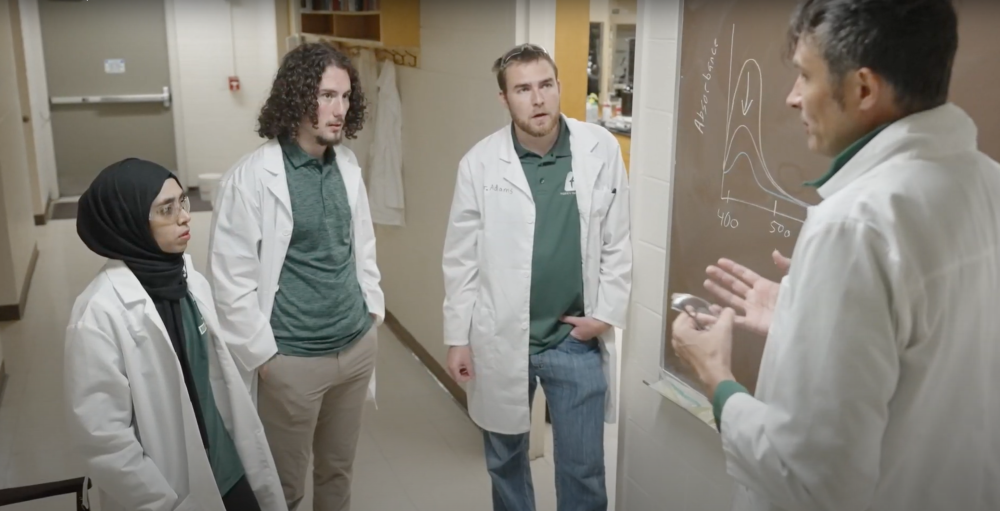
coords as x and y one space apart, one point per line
329 142
528 128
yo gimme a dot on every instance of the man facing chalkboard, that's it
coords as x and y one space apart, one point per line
877 388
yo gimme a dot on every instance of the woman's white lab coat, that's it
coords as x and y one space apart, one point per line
878 384
487 265
129 410
251 229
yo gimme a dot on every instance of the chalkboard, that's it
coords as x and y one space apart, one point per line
742 158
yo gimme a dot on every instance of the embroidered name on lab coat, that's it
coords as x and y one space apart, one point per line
497 188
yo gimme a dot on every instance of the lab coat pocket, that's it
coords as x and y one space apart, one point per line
601 202
481 251
483 334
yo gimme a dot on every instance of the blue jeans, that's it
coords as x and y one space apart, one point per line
575 389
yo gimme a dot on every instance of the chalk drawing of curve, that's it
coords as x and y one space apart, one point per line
761 174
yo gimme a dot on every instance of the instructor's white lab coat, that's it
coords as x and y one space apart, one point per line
878 385
487 265
130 413
251 229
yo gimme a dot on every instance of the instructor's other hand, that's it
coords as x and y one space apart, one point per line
460 364
708 352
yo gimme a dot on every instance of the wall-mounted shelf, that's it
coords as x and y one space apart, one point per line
375 23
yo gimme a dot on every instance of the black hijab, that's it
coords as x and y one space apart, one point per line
113 221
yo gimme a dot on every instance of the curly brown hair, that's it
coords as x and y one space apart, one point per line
294 94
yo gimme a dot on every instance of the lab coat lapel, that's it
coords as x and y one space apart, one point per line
274 163
586 167
351 174
145 320
513 172
206 305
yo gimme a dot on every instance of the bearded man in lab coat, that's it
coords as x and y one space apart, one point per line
292 264
537 270
877 388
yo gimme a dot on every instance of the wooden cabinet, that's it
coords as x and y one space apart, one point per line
376 23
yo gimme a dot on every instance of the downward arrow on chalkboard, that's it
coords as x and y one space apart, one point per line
747 102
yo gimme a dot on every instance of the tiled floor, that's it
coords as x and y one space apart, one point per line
418 450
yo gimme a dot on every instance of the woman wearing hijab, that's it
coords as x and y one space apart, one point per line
156 403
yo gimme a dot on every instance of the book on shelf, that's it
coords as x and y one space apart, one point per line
339 5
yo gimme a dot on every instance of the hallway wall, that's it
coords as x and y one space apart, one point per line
39 201
212 40
449 104
17 224
38 97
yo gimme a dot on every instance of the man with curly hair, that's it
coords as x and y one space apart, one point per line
292 263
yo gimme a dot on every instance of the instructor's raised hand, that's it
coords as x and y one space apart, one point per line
753 296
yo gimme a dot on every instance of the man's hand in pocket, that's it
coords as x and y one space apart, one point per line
586 329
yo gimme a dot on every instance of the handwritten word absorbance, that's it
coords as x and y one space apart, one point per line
699 121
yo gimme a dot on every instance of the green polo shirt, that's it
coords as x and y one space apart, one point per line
319 308
222 455
556 262
845 156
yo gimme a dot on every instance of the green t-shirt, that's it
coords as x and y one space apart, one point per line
556 261
222 454
319 308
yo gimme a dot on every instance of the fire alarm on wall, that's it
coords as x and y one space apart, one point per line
234 83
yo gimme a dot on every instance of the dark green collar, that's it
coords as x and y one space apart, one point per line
845 156
298 158
561 147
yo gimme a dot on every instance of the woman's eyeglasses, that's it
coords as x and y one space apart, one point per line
172 210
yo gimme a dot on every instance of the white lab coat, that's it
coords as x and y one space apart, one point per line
487 265
878 385
130 413
251 229
386 180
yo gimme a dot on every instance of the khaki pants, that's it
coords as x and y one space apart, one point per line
314 405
